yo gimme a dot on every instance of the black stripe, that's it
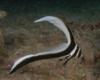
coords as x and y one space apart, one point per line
71 56
75 52
48 56
71 35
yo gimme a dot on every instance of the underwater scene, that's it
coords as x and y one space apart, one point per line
49 40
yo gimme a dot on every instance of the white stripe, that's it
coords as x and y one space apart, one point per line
56 50
19 61
59 24
73 51
78 53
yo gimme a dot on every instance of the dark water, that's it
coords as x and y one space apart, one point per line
75 9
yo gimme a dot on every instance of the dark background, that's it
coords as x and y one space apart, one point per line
78 9
62 4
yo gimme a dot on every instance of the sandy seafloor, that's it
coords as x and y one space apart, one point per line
20 36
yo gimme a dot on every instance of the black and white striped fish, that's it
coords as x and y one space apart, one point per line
69 49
